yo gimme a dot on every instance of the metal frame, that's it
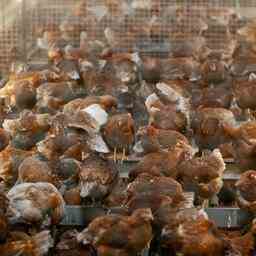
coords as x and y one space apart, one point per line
231 173
230 218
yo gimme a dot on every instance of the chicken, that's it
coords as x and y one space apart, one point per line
163 163
126 70
207 124
25 95
219 97
168 109
10 159
246 183
8 91
243 245
33 170
150 140
204 173
119 235
148 185
107 102
194 237
56 144
28 129
97 178
118 194
35 203
248 32
69 245
180 68
91 121
151 69
214 69
3 217
119 133
38 244
62 92
243 142
244 96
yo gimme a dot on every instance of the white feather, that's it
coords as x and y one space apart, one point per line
97 144
168 91
97 113
151 99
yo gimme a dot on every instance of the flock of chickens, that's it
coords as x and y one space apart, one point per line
65 126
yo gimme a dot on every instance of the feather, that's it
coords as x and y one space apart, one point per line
98 113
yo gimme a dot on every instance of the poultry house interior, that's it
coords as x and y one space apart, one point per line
135 116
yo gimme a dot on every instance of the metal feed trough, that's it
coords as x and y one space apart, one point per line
230 218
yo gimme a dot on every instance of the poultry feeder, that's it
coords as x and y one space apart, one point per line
126 120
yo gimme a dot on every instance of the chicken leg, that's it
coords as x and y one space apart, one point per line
115 155
205 203
123 156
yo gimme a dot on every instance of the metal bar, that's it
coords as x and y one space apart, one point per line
231 173
81 215
229 217
223 217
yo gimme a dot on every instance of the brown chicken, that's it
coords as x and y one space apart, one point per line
25 95
119 235
56 144
32 169
148 185
68 245
168 108
9 90
244 96
246 194
194 237
97 178
10 159
39 203
119 133
151 69
65 91
181 68
28 129
38 244
150 139
243 141
219 97
118 194
243 245
106 101
207 124
203 173
248 32
214 69
163 163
